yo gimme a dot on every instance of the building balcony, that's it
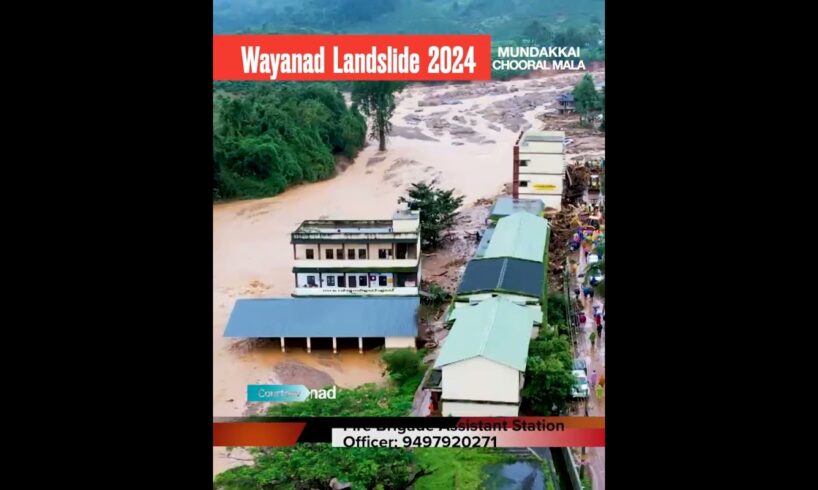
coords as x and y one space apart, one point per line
367 264
364 291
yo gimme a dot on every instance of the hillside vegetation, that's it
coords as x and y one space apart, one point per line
275 135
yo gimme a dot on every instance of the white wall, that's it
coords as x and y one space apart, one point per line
461 409
541 184
543 163
399 342
495 382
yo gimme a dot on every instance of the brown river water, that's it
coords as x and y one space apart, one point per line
466 146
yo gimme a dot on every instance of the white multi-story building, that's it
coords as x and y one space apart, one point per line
358 257
539 167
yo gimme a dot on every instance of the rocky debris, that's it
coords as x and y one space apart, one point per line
494 127
456 130
413 119
488 142
509 112
299 374
410 133
459 118
436 101
458 143
472 122
335 484
374 160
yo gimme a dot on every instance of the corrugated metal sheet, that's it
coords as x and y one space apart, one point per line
324 317
495 329
521 235
507 205
503 274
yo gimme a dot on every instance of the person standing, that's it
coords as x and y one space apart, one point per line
599 329
593 378
582 320
576 292
599 392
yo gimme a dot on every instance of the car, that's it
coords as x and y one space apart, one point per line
580 365
580 388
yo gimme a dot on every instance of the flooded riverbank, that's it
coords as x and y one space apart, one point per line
456 136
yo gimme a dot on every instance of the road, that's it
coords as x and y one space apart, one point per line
596 355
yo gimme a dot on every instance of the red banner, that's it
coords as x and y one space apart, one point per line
351 57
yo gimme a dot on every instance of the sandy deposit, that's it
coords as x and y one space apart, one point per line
252 256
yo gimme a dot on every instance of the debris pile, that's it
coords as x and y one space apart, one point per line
563 225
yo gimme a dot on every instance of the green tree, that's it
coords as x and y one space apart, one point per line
308 466
586 98
377 101
437 211
267 138
436 294
402 364
548 377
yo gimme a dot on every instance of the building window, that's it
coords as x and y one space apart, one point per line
311 281
362 280
353 283
523 183
382 281
342 281
331 281
381 253
524 163
329 253
361 253
351 254
340 254
310 254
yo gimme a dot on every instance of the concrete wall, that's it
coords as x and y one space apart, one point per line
573 473
541 183
553 163
399 342
465 409
495 382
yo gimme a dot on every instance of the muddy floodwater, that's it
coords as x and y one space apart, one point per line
457 136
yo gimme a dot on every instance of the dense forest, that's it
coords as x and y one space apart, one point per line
503 19
272 136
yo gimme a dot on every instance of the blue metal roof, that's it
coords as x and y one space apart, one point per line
324 317
507 205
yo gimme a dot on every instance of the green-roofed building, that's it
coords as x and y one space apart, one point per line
483 359
521 236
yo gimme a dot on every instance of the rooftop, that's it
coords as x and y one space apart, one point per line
495 329
543 137
345 226
484 242
521 235
509 275
507 205
324 317
565 98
